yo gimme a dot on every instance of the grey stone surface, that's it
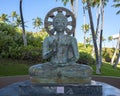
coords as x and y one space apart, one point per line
14 89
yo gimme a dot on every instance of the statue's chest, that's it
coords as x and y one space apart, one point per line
60 41
63 41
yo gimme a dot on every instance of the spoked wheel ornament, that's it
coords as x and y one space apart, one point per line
48 22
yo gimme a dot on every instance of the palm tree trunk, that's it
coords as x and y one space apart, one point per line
84 18
117 61
76 11
94 37
101 33
73 10
98 19
118 56
85 39
113 57
23 27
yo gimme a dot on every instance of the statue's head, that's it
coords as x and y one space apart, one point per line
63 21
60 22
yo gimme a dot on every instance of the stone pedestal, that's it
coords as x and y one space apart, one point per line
27 89
62 90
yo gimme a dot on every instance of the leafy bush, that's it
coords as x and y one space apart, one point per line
88 48
11 43
31 53
86 58
107 54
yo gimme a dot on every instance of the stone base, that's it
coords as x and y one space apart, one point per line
22 88
57 74
62 90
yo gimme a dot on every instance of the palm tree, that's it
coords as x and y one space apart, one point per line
118 56
85 29
37 23
117 60
88 40
103 40
23 27
14 15
18 21
113 57
4 18
100 5
93 36
84 18
116 5
110 38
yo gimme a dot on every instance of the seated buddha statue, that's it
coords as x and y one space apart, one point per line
61 48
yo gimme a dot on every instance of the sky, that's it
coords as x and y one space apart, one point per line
39 8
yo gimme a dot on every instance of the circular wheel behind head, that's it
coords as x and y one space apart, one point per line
71 24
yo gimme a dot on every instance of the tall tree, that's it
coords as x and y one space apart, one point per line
100 5
14 15
93 36
85 29
4 18
18 21
110 38
113 57
84 18
118 56
23 26
37 23
88 40
103 40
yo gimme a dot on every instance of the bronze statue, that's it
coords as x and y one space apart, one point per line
59 46
62 50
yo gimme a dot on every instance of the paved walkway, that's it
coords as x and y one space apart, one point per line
7 80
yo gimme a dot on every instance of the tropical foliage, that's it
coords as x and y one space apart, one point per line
116 5
37 22
11 45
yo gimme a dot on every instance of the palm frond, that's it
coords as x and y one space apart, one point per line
116 5
116 0
118 12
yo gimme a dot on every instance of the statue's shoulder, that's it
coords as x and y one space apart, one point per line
49 39
71 38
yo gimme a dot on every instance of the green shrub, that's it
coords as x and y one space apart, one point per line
88 48
31 53
11 43
107 54
86 58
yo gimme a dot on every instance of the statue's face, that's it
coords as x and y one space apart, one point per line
60 23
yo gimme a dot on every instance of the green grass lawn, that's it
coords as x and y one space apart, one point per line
10 67
108 70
